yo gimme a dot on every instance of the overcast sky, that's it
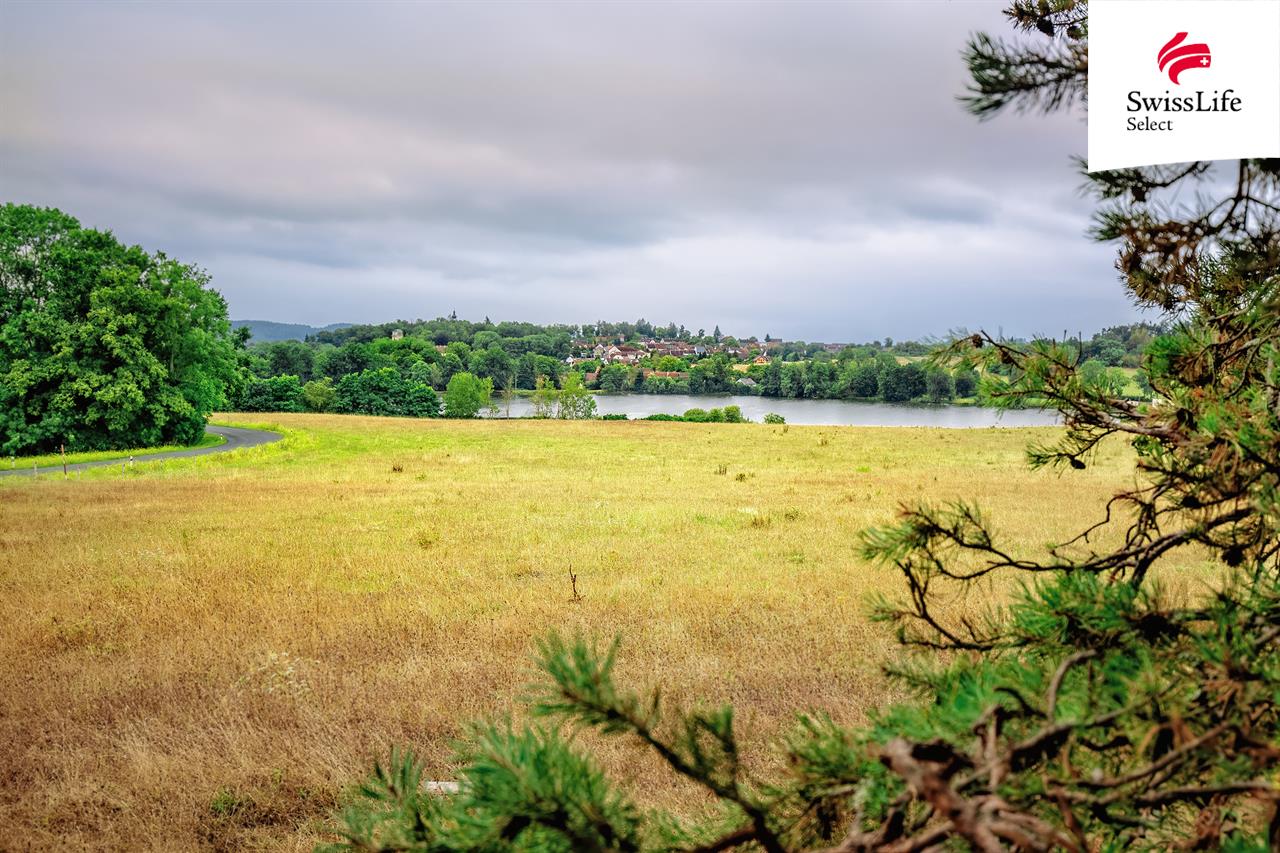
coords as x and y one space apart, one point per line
802 170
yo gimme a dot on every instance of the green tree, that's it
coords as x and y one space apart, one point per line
938 385
613 377
275 394
290 358
385 392
1108 380
467 395
319 395
102 345
576 402
1112 352
492 363
900 383
864 382
820 379
711 375
792 380
771 382
966 382
545 398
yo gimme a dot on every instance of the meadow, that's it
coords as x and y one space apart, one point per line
209 651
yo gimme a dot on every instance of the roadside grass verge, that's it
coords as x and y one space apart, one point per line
51 460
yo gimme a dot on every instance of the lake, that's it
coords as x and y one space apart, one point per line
807 412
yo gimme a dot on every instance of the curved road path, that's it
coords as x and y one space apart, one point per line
237 438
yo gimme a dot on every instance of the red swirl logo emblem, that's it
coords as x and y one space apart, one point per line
1176 57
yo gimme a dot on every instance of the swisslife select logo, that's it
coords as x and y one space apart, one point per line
1178 80
1176 57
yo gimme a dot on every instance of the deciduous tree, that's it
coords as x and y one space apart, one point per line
467 395
102 345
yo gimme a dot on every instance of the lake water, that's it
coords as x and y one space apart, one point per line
811 412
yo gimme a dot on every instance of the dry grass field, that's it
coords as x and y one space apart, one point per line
204 652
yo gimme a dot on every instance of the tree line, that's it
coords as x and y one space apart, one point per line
362 369
105 346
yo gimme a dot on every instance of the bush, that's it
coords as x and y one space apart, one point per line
614 418
385 392
733 415
319 395
773 418
277 394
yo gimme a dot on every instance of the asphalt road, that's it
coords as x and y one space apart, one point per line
236 439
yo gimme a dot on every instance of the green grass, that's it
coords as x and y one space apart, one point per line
205 652
55 460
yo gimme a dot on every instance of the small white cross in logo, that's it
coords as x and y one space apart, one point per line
1204 61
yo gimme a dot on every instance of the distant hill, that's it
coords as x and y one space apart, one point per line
265 331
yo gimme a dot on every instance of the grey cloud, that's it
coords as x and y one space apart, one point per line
803 166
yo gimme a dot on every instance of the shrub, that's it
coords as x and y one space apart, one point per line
276 394
774 418
319 395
